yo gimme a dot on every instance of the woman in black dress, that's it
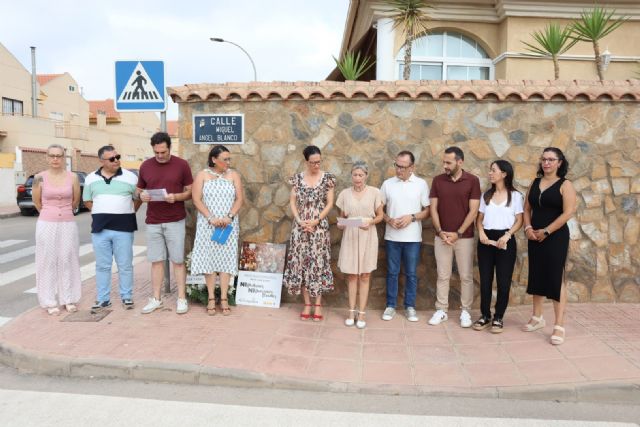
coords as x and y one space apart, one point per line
550 203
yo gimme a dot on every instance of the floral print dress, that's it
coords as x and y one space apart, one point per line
309 256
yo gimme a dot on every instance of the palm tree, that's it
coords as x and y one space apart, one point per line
594 25
552 41
411 16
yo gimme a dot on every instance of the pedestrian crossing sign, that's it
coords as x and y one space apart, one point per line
140 86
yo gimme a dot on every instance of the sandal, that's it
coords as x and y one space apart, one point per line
557 339
305 316
351 320
53 311
71 308
481 324
225 310
496 326
317 317
539 323
211 308
360 324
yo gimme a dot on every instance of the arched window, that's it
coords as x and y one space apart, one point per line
447 55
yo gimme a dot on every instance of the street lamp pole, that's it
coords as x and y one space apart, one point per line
219 40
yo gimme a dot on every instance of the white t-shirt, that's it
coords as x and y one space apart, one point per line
404 198
501 217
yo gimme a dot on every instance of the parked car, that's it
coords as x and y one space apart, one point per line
24 197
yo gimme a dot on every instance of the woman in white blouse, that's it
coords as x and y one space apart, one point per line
500 216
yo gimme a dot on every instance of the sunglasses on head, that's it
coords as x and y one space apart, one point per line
114 158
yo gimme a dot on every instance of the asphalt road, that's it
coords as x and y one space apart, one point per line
17 259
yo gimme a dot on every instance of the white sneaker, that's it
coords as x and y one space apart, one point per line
152 305
389 313
182 306
411 314
465 319
438 317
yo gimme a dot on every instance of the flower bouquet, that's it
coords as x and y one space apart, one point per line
197 287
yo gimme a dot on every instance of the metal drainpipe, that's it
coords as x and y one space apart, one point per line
34 85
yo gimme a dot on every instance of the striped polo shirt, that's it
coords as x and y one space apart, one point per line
112 200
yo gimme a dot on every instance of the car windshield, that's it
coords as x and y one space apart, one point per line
29 181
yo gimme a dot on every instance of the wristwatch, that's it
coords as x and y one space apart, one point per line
546 233
230 215
459 234
413 217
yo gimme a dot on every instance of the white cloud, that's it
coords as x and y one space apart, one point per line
287 39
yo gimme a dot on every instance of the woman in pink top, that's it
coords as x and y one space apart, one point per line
56 192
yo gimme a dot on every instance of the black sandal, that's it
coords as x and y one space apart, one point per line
481 324
496 326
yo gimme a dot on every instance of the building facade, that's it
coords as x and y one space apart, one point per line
483 40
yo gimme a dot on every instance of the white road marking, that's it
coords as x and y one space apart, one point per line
4 320
20 253
30 269
30 408
7 243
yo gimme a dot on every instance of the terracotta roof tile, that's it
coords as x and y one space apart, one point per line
106 106
578 90
43 79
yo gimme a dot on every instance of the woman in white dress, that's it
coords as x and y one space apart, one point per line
218 196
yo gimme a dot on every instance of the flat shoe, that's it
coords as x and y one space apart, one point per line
557 339
71 308
53 311
539 324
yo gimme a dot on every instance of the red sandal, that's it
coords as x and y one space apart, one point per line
304 316
317 317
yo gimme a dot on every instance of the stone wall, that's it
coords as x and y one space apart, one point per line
596 125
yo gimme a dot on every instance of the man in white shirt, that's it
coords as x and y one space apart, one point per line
406 200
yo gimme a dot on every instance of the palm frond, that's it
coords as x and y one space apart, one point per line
552 40
352 66
596 24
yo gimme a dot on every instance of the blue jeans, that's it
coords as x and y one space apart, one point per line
107 245
406 254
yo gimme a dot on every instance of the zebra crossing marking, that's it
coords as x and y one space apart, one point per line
30 269
88 271
7 243
20 253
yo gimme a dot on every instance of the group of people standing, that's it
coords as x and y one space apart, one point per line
114 195
456 206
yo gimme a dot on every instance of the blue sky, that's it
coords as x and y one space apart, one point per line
288 40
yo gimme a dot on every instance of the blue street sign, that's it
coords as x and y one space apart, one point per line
218 128
140 86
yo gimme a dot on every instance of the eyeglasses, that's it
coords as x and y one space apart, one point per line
547 160
117 157
228 160
402 168
55 156
316 163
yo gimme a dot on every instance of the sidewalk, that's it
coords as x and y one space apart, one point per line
259 347
8 211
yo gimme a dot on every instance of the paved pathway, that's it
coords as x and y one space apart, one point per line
271 346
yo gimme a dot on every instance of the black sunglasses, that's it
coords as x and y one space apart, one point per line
114 158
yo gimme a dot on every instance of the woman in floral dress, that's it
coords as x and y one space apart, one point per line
309 257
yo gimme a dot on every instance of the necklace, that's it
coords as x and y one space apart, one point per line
216 174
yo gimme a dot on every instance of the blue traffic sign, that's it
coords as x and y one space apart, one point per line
140 86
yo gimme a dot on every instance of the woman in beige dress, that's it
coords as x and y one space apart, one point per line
359 247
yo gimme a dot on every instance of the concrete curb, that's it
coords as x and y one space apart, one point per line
9 215
31 362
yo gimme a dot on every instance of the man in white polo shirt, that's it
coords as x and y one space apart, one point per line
406 200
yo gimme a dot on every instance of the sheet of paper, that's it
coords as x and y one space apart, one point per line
351 222
157 195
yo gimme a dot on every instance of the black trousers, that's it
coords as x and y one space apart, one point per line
501 261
